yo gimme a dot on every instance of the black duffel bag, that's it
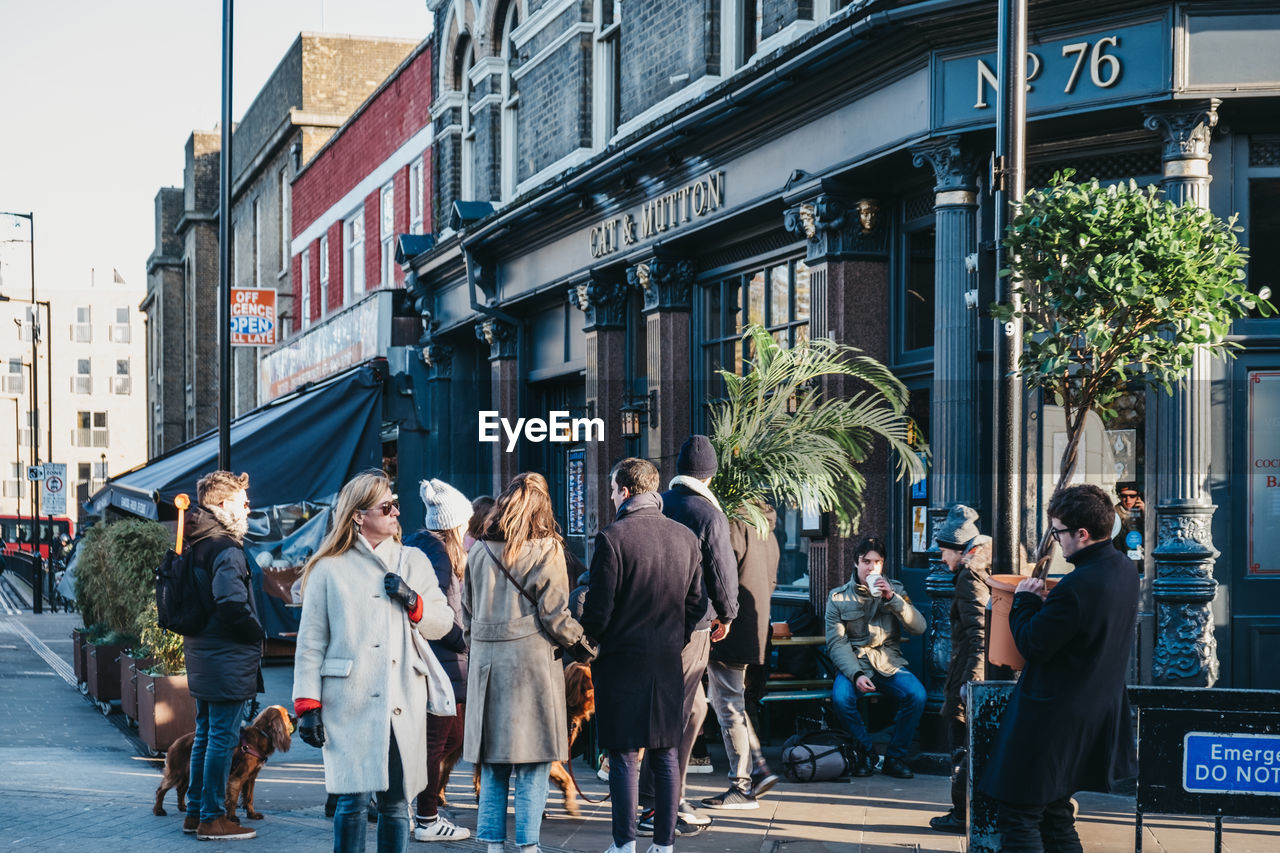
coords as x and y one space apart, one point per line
822 755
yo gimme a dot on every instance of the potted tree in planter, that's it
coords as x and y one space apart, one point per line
166 710
89 594
1119 289
781 439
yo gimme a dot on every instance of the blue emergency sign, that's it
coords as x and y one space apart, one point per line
1133 539
1227 763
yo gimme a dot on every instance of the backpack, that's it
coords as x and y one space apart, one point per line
184 596
818 756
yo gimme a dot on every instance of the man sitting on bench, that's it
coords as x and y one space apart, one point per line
865 618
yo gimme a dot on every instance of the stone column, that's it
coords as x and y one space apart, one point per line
667 285
953 412
847 252
1186 651
603 299
503 340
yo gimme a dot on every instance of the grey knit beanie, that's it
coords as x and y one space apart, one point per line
959 529
446 507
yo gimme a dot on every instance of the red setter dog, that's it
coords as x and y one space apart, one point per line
580 702
270 732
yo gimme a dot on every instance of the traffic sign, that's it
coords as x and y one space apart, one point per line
35 472
53 497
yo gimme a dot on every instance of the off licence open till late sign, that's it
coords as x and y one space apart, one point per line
253 316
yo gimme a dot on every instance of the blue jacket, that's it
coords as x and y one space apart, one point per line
451 649
719 565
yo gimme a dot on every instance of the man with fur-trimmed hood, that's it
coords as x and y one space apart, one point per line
968 555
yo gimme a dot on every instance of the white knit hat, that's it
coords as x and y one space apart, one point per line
446 507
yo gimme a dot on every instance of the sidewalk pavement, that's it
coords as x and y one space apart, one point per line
74 780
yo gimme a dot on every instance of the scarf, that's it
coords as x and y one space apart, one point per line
694 485
237 528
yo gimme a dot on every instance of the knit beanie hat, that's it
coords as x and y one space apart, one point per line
959 529
446 507
697 458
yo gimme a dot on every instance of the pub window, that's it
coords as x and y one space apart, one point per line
1264 238
510 103
917 289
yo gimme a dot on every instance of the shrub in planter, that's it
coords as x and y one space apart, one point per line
166 710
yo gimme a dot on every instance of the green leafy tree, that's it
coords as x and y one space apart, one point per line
769 453
1119 288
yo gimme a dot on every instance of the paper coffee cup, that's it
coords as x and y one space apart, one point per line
873 584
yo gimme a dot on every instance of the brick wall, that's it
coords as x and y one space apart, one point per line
661 40
554 117
777 14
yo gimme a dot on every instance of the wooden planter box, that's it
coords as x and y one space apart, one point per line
166 710
129 667
103 672
78 656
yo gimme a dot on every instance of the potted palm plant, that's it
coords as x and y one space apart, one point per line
781 439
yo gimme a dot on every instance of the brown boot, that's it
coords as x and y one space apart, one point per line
221 829
191 822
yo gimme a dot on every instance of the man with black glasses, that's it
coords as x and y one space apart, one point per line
1067 727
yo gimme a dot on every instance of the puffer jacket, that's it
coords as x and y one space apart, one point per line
451 649
968 625
864 633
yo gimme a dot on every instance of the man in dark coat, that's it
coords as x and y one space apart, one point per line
644 598
689 501
1067 727
757 558
967 554
224 659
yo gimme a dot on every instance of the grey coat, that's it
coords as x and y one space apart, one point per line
515 686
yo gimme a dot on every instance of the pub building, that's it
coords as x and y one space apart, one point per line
620 187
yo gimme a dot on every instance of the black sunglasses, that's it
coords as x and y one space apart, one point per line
385 506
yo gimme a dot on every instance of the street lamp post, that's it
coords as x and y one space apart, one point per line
37 605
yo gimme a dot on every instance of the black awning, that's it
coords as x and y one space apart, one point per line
301 447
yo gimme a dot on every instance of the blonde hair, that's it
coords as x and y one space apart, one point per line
523 512
215 487
451 539
360 493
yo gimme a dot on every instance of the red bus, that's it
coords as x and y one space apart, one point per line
15 530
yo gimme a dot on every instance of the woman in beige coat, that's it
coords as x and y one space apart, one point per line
516 722
363 672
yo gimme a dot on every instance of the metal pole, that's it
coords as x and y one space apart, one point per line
1010 184
48 420
224 250
37 605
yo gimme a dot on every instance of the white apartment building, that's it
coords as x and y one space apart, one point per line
91 377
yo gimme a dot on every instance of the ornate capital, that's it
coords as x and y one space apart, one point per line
603 300
1184 127
837 227
954 167
667 284
439 359
501 338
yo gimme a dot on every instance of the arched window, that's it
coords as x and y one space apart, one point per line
509 158
466 171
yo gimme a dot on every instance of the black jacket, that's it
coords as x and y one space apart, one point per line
719 566
451 649
757 560
1067 727
968 627
223 660
644 598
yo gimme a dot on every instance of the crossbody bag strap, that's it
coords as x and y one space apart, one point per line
511 577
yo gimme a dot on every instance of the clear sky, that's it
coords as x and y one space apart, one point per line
97 99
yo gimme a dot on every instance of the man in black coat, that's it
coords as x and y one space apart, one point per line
1067 727
224 659
689 501
644 598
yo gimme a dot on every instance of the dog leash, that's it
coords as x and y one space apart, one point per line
568 766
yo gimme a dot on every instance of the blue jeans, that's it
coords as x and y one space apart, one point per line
351 820
217 734
532 781
624 792
904 687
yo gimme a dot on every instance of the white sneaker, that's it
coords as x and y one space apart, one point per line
603 773
440 829
661 848
700 764
629 847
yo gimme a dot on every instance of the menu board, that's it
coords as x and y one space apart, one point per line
1264 473
576 493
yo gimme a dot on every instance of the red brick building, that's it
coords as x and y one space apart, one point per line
368 184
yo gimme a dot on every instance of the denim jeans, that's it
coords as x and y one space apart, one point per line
1049 828
728 682
351 820
531 783
904 687
624 793
217 733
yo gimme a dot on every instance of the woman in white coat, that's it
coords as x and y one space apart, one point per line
363 672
